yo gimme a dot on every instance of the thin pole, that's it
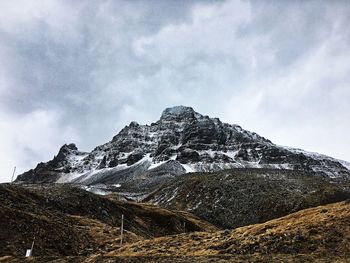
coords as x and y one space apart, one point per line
121 231
13 174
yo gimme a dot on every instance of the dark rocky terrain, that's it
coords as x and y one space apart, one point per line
238 197
141 157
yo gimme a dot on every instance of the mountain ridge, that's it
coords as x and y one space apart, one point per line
181 141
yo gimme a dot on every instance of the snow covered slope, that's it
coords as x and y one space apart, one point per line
181 141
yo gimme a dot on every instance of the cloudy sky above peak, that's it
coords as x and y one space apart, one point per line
79 71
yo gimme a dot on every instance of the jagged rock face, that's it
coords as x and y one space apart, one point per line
182 140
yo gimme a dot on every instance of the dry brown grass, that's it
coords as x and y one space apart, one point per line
323 231
107 237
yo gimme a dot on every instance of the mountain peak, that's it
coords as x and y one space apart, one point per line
64 151
178 113
70 146
181 141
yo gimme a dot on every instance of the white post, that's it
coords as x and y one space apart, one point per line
29 252
13 174
121 231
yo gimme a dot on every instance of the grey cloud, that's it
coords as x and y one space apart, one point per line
87 68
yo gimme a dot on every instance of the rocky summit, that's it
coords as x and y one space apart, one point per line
181 141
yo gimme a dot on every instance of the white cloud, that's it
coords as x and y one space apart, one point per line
306 104
28 139
57 18
212 31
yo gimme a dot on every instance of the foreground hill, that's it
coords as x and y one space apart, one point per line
319 234
238 197
140 157
65 220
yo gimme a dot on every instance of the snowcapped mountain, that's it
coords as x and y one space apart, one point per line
181 141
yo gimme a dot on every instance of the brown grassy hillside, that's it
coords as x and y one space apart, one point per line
320 232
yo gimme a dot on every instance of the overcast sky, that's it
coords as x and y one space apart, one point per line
79 71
